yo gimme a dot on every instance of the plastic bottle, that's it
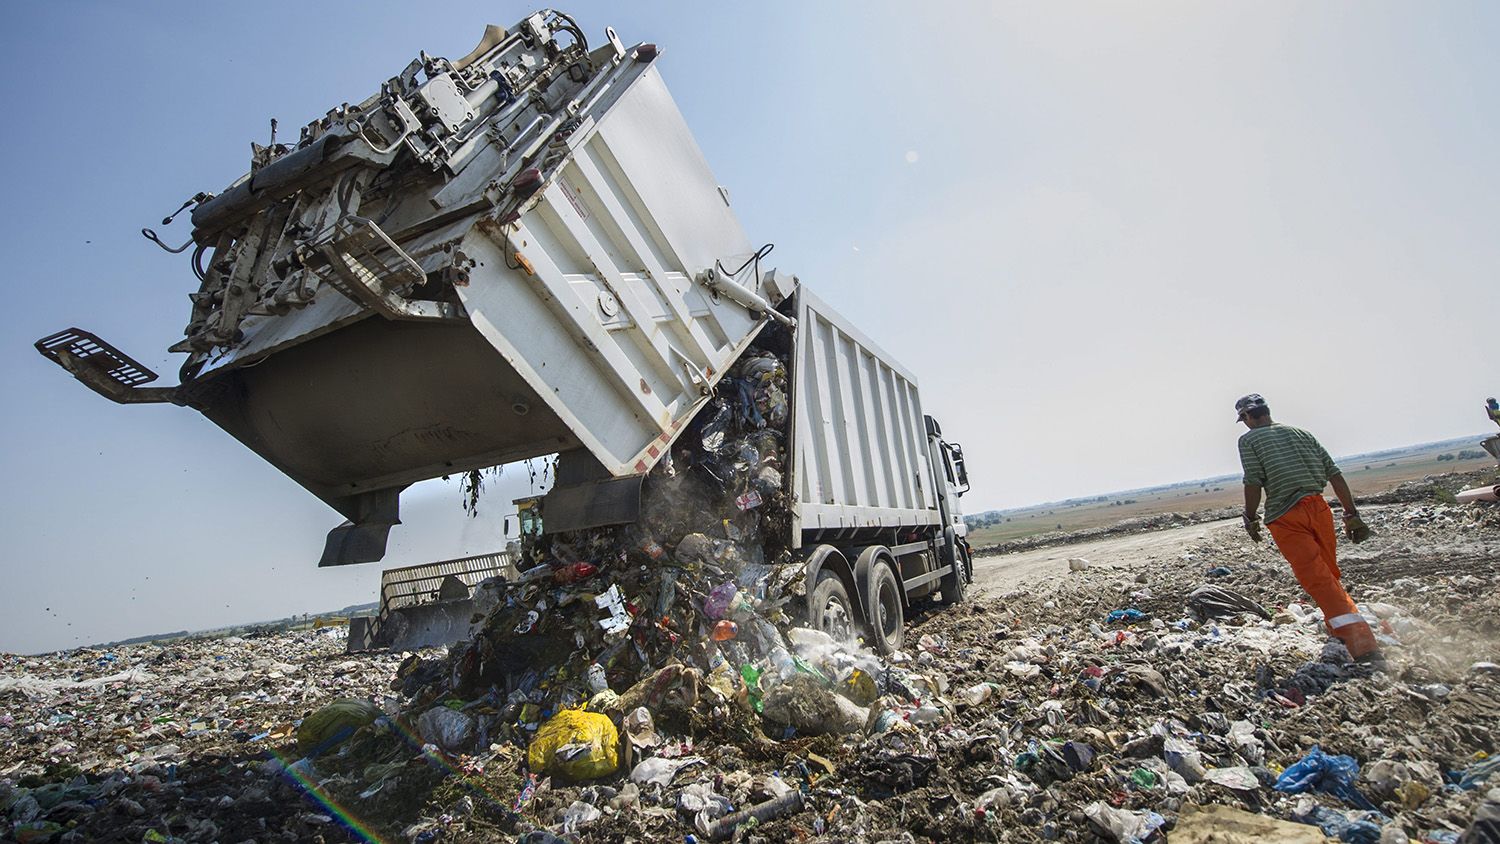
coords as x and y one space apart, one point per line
782 662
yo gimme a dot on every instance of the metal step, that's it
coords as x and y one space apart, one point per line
103 368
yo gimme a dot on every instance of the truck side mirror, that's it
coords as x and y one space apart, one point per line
960 469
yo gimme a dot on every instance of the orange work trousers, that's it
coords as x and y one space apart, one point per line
1305 536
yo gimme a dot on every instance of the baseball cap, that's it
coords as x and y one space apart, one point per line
1247 404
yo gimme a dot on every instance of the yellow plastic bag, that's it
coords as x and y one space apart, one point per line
577 744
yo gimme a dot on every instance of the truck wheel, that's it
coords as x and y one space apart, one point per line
887 621
954 581
829 608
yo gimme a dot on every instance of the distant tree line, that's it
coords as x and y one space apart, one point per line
982 520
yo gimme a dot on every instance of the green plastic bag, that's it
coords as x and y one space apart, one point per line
332 725
751 675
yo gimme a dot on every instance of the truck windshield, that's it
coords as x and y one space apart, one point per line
531 522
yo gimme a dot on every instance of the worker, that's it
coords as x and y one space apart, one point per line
1291 468
1492 444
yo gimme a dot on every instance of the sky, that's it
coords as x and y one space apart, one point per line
1086 227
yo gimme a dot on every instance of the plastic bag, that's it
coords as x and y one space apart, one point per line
577 744
714 430
333 725
1207 602
700 802
660 770
1478 773
640 726
449 729
1184 759
1237 778
578 814
1121 825
716 605
1332 774
751 675
1362 828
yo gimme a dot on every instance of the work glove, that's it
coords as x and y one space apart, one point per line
1355 528
1252 527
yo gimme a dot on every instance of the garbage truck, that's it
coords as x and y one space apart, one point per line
523 252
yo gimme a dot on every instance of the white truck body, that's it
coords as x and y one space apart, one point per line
860 441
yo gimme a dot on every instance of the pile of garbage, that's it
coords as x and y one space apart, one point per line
149 741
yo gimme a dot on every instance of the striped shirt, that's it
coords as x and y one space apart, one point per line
1288 463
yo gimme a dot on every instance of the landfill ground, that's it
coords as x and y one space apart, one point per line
1154 727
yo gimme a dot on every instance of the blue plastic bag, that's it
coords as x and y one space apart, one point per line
1364 830
1130 614
1474 775
1332 774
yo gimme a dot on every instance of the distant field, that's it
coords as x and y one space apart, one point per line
1365 476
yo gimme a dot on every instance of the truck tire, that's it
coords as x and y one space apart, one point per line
955 581
887 619
829 608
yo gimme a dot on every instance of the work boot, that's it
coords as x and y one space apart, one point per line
1373 661
1356 635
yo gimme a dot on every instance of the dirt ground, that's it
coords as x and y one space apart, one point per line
996 573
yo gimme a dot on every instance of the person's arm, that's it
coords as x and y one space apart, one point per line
1354 527
1252 504
1254 479
1346 498
1252 500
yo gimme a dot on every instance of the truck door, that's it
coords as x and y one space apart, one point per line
956 483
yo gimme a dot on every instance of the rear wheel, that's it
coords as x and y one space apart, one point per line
887 619
829 608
